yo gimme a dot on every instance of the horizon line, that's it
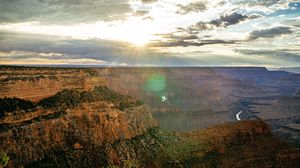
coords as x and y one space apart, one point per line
139 66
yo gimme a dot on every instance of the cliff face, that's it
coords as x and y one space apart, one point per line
260 75
186 89
241 144
101 128
80 127
97 135
37 83
181 98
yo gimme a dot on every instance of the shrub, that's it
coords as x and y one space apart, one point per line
112 166
132 163
3 159
71 98
13 104
63 99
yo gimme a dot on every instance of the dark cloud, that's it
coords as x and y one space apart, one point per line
148 18
171 36
270 33
28 47
198 6
189 37
62 11
148 1
185 40
222 22
186 43
141 12
93 48
287 55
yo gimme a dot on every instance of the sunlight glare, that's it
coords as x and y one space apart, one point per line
135 31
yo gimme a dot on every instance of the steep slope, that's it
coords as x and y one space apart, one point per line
86 138
81 127
241 144
70 119
37 83
283 107
201 96
186 89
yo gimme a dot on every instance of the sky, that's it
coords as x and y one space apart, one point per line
151 32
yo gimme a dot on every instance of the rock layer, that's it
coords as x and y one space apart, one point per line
81 126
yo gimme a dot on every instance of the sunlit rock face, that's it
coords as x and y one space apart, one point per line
37 83
88 124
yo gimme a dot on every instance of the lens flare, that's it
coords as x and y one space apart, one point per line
156 83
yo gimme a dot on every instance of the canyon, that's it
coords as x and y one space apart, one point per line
187 118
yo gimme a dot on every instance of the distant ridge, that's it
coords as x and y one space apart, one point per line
291 69
128 66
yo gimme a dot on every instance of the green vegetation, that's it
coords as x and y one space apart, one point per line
132 163
63 99
129 104
7 126
14 104
71 98
15 78
156 148
3 159
112 166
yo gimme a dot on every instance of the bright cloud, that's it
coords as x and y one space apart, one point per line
143 32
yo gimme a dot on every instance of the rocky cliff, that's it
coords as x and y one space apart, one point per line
96 134
70 119
181 98
241 144
102 128
77 128
37 83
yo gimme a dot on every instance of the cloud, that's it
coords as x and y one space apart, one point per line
260 2
267 7
141 12
62 11
65 48
148 1
186 43
181 37
286 55
188 36
270 33
191 39
198 6
30 48
222 22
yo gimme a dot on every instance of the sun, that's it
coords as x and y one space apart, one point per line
139 40
136 36
136 32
